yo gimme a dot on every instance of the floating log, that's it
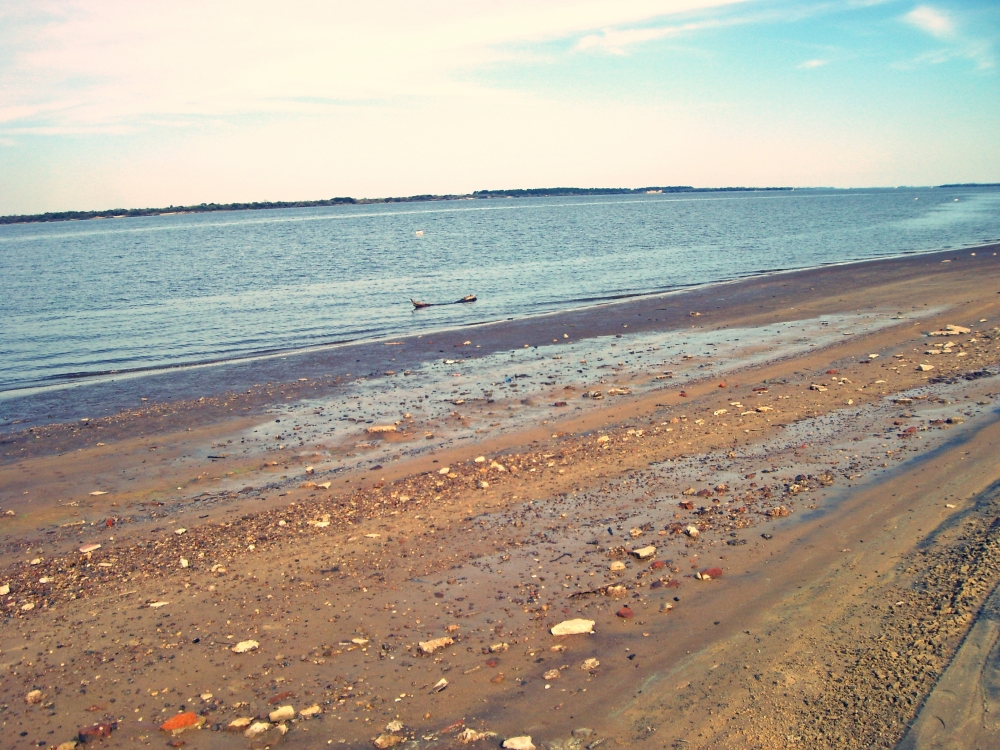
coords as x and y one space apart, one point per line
418 305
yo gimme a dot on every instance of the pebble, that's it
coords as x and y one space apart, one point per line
90 548
238 725
626 613
313 710
34 697
590 664
5 589
243 646
257 729
519 743
552 674
282 713
692 531
573 627
387 740
644 553
617 565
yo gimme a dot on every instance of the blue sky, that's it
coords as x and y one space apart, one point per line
124 104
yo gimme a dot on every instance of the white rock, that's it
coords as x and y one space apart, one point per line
692 531
444 470
184 562
617 565
257 729
313 710
310 470
98 492
180 531
480 459
644 553
282 713
5 589
90 548
925 368
519 743
243 646
590 664
157 605
573 627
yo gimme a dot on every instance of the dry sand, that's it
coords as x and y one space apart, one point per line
824 525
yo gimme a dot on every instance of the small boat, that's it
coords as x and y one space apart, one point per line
418 305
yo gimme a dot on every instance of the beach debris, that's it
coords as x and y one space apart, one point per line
644 553
244 646
552 674
439 685
394 726
573 627
519 743
951 330
380 428
180 531
816 387
778 511
615 592
469 735
666 607
34 697
619 392
429 647
282 713
617 566
157 605
89 548
97 493
181 722
238 725
708 574
590 663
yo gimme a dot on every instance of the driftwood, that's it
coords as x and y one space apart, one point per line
418 305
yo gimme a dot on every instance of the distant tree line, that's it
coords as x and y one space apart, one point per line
119 213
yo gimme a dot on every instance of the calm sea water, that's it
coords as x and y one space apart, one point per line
79 299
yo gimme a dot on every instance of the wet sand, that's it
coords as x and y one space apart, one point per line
821 518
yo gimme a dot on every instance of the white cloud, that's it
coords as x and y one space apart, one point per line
933 21
810 64
87 64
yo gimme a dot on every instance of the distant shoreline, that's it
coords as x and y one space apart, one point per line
127 213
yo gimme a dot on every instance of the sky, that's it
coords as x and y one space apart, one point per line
123 104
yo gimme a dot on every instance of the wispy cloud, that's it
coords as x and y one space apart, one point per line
945 28
810 64
935 22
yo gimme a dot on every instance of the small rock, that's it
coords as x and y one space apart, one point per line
519 743
5 589
90 548
709 573
582 733
71 745
626 613
925 368
282 713
552 674
590 664
181 722
375 429
238 725
243 646
429 647
644 553
573 627
184 562
34 697
444 470
394 726
603 439
470 735
180 531
692 531
617 565
313 710
387 740
97 732
480 459
310 470
498 648
257 729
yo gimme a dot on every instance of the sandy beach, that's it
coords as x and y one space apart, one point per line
774 502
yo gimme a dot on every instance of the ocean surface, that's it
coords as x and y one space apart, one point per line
80 300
